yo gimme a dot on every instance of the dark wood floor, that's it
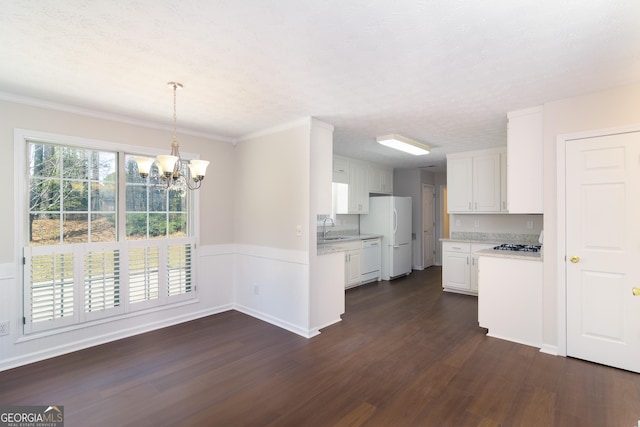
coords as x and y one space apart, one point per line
405 354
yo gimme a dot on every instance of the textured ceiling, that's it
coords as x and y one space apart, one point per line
441 72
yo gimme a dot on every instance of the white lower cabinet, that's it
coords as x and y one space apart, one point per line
456 267
352 268
352 262
510 299
460 266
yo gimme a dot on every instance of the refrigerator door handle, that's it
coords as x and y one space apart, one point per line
395 220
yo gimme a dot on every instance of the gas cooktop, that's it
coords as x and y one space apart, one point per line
517 248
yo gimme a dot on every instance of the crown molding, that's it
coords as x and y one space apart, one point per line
34 102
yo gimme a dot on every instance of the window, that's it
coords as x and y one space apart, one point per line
99 240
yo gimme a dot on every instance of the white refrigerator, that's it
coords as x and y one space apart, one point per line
390 217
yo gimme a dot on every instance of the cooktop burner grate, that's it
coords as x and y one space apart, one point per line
517 248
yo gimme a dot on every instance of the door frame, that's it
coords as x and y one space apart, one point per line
432 188
561 211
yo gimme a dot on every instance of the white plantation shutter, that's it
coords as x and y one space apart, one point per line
70 284
101 277
179 268
50 296
144 274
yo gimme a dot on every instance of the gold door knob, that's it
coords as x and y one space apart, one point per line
636 292
574 259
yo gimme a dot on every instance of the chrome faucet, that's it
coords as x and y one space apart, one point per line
324 227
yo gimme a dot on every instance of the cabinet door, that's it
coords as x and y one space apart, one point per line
380 180
504 205
352 268
486 183
459 184
340 170
358 188
455 270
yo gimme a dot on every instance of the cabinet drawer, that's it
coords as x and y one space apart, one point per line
456 247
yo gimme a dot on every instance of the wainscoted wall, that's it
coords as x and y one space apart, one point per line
273 285
214 288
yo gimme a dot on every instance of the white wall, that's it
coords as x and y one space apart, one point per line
275 268
214 255
617 107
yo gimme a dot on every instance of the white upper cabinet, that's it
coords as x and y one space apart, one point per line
503 183
353 180
524 161
486 183
359 188
474 181
460 184
380 180
350 186
340 170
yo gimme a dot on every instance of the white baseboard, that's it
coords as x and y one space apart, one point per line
307 333
517 341
550 349
105 338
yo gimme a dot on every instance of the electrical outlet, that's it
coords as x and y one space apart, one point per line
529 224
457 223
256 290
4 328
476 223
298 230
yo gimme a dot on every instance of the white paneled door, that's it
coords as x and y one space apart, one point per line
603 249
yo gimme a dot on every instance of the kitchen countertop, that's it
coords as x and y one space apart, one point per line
337 245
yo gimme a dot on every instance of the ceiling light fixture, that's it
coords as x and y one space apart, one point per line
176 173
404 144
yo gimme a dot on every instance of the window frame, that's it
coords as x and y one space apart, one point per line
80 318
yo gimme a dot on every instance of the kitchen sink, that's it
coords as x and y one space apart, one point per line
331 238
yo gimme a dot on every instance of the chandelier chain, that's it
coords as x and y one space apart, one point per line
175 115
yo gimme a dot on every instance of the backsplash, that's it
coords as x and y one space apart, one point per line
522 239
496 223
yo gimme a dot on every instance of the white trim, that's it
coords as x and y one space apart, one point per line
4 96
7 271
307 333
561 283
561 167
215 250
284 255
549 349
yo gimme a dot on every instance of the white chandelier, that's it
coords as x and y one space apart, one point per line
171 169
